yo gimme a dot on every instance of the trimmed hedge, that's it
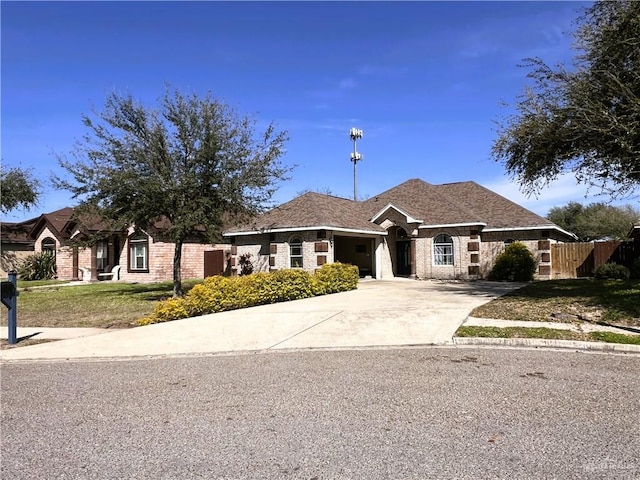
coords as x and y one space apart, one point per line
219 294
515 264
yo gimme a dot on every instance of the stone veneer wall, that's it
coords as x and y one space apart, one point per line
271 251
493 244
474 251
464 245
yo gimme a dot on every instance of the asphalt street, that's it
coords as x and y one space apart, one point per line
411 413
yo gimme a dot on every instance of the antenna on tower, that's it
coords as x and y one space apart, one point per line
355 134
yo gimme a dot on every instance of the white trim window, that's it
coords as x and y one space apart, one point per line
443 250
102 255
139 253
295 253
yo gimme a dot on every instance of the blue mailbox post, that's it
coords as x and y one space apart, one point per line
10 300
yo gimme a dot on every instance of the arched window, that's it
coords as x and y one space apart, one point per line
48 245
139 252
295 252
443 250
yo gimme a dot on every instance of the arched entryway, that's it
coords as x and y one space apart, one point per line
403 253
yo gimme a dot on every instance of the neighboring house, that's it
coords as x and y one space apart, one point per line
89 249
634 233
415 229
15 245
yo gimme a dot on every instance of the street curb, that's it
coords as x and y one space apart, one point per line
548 343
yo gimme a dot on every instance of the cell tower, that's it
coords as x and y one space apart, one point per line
355 134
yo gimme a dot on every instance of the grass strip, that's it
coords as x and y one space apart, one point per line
612 301
546 333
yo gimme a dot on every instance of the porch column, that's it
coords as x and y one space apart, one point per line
94 263
74 262
412 257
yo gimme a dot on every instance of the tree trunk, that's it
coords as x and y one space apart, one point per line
177 270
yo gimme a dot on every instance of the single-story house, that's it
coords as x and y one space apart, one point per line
87 250
416 230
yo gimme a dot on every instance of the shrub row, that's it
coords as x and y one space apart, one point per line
218 294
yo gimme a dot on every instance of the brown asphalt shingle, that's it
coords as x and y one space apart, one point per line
448 204
424 202
313 210
495 210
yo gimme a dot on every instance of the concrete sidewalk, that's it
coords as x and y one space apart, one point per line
379 313
52 333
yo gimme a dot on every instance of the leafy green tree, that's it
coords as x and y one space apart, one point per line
192 161
596 221
583 119
18 187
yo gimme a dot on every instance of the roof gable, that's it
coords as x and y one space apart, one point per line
391 206
422 200
56 221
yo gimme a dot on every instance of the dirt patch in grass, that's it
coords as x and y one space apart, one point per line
102 305
614 302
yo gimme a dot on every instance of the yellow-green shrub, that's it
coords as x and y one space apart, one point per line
171 309
218 294
335 277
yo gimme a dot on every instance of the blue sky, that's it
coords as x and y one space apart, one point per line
424 80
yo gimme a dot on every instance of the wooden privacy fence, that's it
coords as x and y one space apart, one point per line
572 260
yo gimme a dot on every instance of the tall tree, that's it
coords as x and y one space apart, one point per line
596 221
584 119
18 187
192 161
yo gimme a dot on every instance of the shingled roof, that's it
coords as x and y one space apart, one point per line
17 233
56 221
461 203
494 209
312 210
423 201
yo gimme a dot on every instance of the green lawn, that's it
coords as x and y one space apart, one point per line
609 301
94 305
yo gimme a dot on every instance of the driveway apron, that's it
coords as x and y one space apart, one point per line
395 312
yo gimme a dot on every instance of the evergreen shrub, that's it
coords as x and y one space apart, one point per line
218 294
613 271
515 264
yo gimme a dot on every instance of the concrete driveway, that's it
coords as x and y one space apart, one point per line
395 312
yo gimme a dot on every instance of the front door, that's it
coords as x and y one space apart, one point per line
403 257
